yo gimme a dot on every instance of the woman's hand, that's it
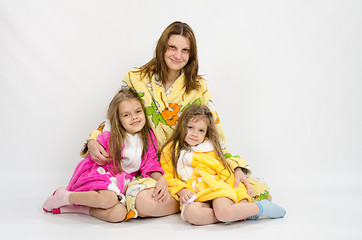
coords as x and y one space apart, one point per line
97 152
185 195
240 177
161 189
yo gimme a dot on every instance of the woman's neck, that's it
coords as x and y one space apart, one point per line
171 78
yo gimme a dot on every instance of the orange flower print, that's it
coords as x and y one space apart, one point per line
170 113
217 118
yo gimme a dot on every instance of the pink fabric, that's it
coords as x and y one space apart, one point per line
86 176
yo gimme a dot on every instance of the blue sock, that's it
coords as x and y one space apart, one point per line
268 209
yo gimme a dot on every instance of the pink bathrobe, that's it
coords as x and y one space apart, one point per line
89 176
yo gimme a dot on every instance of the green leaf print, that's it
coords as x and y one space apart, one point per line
228 155
197 101
141 94
156 115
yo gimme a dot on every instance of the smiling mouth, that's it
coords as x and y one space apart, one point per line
175 61
135 123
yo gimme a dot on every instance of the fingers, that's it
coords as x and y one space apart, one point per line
236 182
163 196
160 193
248 188
251 194
99 158
103 152
98 153
186 197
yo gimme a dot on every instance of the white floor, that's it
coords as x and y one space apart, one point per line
318 212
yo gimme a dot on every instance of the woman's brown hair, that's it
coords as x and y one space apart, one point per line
157 65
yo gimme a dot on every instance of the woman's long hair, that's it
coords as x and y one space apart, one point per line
118 133
157 65
177 140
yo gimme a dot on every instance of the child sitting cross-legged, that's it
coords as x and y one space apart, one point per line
100 190
200 178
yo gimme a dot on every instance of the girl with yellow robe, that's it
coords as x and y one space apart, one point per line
199 176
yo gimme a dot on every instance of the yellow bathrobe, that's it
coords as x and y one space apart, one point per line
201 172
163 108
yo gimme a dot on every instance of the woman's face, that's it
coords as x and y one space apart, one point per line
177 53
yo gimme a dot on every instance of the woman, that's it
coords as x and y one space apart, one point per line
167 84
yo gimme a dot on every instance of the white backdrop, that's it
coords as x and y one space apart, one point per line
285 77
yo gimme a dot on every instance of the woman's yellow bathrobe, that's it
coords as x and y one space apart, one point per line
163 109
201 172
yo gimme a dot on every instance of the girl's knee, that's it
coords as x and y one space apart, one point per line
224 214
193 215
108 199
116 214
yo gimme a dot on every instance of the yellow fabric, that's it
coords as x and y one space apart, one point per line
94 134
209 180
164 108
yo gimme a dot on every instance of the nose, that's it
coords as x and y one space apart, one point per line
193 133
177 54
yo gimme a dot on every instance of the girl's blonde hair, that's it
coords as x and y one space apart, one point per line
118 133
177 140
157 65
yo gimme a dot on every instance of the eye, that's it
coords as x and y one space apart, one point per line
171 47
186 50
189 127
202 131
125 115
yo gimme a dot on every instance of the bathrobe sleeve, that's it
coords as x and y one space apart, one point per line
174 184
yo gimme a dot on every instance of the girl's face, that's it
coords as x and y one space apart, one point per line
196 131
178 52
131 115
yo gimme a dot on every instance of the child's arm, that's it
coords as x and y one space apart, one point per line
161 188
174 184
184 195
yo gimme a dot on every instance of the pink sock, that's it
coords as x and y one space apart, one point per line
59 198
72 209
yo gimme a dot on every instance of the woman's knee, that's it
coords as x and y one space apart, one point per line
147 206
144 203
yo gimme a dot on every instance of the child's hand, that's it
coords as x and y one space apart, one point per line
240 177
161 190
184 195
